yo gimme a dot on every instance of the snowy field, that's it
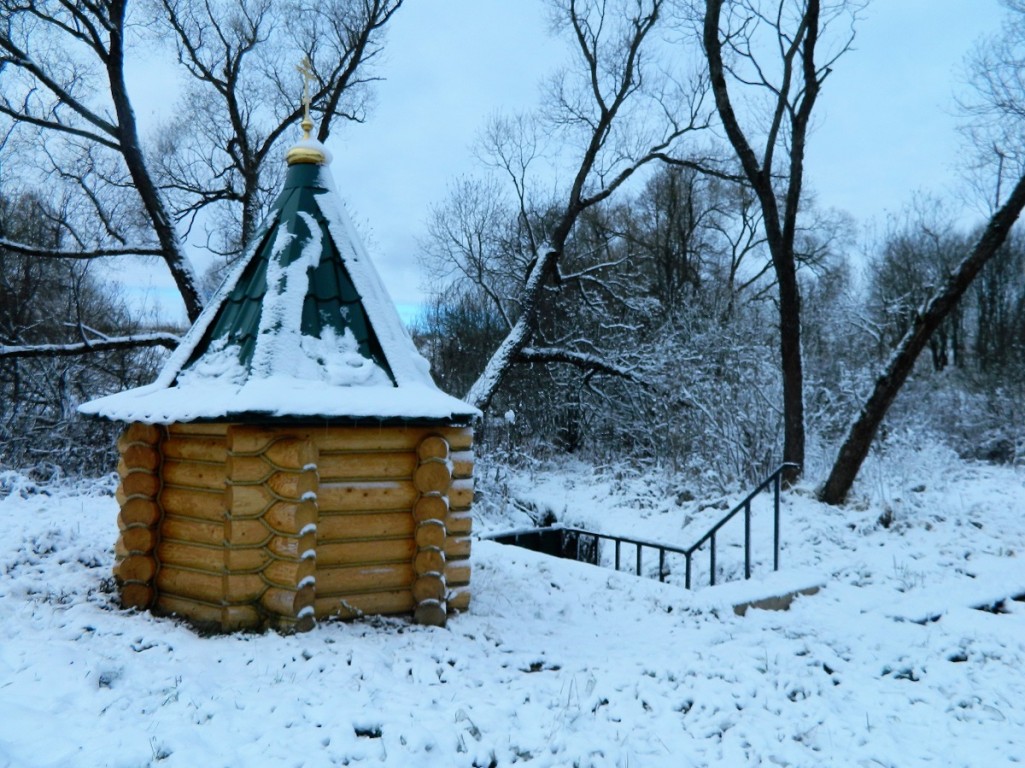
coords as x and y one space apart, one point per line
891 663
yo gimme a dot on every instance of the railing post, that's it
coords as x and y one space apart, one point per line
747 540
711 551
687 578
775 519
638 559
618 542
661 564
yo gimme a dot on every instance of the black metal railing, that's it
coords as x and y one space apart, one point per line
580 544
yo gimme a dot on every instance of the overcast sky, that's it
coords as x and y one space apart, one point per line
885 122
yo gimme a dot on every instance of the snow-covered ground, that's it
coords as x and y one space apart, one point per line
891 663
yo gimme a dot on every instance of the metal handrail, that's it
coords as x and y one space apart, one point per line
774 480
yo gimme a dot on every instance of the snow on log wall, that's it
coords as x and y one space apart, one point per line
238 526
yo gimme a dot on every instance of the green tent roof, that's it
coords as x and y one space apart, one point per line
330 301
302 329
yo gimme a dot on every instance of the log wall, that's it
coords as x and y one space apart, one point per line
367 543
248 527
138 523
191 559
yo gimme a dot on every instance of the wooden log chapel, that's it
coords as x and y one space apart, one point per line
294 459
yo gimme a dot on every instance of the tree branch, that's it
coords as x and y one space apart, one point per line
135 341
81 255
578 359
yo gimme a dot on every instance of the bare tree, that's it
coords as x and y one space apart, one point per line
863 430
917 255
62 77
220 151
772 50
50 311
996 117
67 109
616 110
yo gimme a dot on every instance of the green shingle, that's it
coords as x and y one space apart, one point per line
331 299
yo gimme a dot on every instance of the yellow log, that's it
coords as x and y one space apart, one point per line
376 525
287 602
207 587
192 531
238 588
366 578
457 574
340 467
204 558
430 614
462 464
292 547
202 505
431 533
287 625
210 449
120 495
429 587
432 447
193 610
139 511
358 439
385 496
353 606
292 485
201 430
292 453
136 568
120 552
236 617
140 456
288 573
459 523
139 433
430 560
457 548
460 495
251 440
245 533
384 438
136 595
430 508
139 539
248 500
247 469
432 475
140 483
459 599
459 438
289 518
365 552
191 474
248 560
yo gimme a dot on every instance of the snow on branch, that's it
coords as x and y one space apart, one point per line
135 341
32 250
580 360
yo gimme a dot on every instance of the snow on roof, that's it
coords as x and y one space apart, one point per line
302 328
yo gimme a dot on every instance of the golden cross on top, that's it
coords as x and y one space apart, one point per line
306 70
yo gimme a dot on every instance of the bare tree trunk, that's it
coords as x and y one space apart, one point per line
612 80
863 430
128 138
794 99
